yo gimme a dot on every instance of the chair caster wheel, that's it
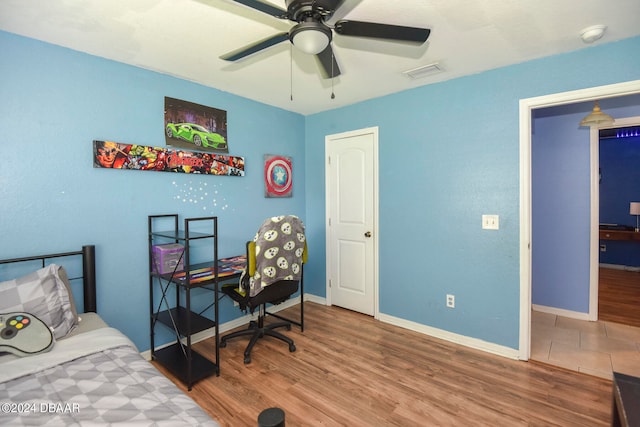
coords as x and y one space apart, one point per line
247 360
289 327
292 348
223 344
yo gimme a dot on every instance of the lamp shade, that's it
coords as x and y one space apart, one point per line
311 41
634 208
597 117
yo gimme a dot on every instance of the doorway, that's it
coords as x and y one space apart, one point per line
526 109
561 332
351 190
618 279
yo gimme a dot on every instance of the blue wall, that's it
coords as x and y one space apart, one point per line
561 204
448 154
620 184
55 102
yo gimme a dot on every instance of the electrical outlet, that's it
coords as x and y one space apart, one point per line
603 248
451 301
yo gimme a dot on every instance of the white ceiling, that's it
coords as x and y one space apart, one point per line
185 38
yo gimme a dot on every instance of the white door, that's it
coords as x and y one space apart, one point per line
351 191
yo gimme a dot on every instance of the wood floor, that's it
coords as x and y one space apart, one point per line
351 370
619 296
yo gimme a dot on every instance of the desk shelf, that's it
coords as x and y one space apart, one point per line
177 317
175 360
173 310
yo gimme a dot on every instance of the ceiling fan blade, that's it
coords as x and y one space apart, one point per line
382 31
328 63
264 7
256 47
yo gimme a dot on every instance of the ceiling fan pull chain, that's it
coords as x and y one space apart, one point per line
291 71
333 58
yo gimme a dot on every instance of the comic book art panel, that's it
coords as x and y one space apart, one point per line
278 179
114 155
194 126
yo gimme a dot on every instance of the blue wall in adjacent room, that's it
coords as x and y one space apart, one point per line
561 206
55 102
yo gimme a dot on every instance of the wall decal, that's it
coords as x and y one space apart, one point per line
113 155
194 126
206 196
278 180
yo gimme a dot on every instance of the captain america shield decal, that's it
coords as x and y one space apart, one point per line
277 176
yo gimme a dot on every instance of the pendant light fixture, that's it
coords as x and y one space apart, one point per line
597 117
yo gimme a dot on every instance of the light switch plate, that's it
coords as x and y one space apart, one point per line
491 222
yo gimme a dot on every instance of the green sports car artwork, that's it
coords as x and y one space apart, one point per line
196 134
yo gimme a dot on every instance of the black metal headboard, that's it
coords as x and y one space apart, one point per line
88 254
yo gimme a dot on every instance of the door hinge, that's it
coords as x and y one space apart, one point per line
329 160
329 222
329 282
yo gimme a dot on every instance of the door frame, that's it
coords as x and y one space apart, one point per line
376 138
526 109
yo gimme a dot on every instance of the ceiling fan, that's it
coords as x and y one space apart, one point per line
313 35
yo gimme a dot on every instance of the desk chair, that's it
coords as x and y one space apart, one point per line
274 273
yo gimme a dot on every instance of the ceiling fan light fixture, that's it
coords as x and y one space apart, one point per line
312 34
310 37
597 117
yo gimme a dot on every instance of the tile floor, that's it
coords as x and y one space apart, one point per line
595 348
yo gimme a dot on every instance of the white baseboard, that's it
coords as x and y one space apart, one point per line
437 333
451 337
561 312
242 320
576 314
316 299
406 324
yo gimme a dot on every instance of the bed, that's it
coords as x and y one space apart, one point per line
92 374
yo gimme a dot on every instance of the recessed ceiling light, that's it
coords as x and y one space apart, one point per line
593 33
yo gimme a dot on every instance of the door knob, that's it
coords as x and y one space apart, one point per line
367 234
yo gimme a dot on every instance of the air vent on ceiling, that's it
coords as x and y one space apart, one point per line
424 71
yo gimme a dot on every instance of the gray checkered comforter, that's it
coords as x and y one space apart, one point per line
114 386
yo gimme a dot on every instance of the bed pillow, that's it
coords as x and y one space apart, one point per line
62 275
44 294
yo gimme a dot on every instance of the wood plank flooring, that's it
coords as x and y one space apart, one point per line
351 370
619 296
